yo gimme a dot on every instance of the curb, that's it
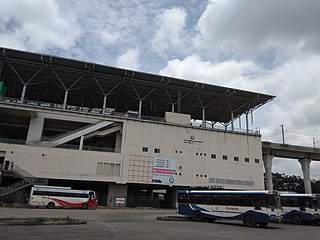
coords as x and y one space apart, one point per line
173 218
41 221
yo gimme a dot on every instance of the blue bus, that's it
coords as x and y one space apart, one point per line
250 207
300 208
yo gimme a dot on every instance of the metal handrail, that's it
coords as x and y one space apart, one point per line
98 111
28 179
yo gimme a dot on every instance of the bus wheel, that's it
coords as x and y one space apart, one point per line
263 224
198 216
84 206
50 205
250 221
296 219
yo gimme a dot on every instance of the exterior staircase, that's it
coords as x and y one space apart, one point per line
26 180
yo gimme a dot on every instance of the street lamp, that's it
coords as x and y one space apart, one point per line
315 140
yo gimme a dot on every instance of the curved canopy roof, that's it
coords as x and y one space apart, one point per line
47 78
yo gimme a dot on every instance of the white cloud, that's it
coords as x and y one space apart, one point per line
169 35
108 38
36 25
129 59
296 106
247 26
236 74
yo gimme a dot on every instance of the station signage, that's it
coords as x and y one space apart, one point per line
164 171
192 140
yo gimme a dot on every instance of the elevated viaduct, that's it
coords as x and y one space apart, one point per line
303 154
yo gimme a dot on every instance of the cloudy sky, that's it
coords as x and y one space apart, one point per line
270 46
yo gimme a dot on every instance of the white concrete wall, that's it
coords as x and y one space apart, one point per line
190 147
60 163
176 143
178 118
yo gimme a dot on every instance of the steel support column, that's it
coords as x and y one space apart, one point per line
247 123
1 66
65 100
23 94
81 142
203 118
104 104
232 122
140 109
179 101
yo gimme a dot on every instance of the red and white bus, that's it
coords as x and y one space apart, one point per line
51 197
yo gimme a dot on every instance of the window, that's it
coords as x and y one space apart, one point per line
257 160
197 175
196 153
214 156
236 159
157 150
246 159
225 157
205 154
99 168
108 169
144 149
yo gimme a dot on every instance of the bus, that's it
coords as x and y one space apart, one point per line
65 197
250 207
300 208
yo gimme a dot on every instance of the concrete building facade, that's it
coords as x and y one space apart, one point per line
141 155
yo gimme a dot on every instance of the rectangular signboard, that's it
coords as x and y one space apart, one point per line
164 171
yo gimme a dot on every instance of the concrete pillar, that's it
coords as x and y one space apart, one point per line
172 108
81 142
104 104
23 94
35 129
117 191
267 161
305 165
118 142
170 197
65 100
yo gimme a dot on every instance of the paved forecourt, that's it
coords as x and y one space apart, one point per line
142 224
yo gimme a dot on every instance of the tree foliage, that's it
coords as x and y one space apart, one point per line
292 183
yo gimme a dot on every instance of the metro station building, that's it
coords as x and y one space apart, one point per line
122 133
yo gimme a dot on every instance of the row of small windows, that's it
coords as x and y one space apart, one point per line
200 175
213 156
225 157
146 149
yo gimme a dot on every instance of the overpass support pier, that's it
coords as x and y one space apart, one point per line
267 161
305 165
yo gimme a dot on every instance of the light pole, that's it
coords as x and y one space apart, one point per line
282 130
315 140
